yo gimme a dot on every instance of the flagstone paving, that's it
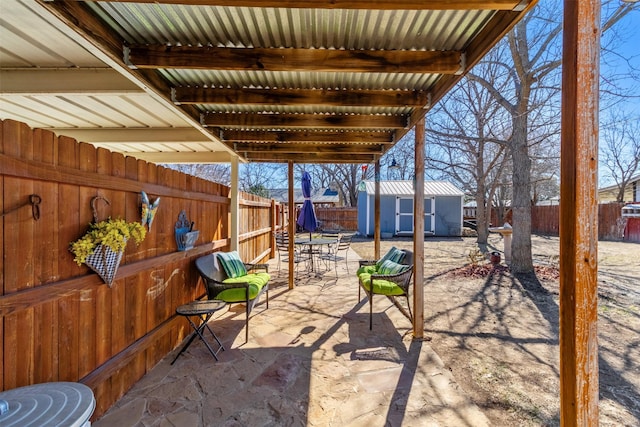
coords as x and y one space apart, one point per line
311 360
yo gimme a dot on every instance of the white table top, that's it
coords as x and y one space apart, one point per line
48 404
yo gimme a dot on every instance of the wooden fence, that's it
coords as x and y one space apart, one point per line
343 219
58 321
611 225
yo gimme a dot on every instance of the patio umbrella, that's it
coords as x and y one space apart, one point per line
307 218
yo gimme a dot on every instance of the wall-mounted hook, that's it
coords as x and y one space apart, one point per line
35 200
93 207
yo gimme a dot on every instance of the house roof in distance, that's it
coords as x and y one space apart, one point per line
318 195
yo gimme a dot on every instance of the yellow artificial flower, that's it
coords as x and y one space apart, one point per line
113 233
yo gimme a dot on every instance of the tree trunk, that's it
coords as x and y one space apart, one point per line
521 258
481 216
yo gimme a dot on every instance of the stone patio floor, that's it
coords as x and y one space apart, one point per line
311 360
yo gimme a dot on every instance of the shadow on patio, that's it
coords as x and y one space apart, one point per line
310 360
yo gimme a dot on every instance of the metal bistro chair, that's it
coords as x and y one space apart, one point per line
342 244
282 246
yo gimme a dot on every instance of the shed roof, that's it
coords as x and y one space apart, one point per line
405 188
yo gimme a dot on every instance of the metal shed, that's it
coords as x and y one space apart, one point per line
443 204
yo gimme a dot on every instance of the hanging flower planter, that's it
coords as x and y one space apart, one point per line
102 246
105 262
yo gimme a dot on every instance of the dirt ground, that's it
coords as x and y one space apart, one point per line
498 334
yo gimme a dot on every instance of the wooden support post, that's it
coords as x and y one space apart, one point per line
234 227
579 215
418 234
274 224
376 211
292 226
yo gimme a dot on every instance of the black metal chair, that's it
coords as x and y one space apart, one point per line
343 244
282 247
245 289
390 285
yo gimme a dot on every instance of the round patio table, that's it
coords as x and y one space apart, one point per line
65 404
202 310
317 242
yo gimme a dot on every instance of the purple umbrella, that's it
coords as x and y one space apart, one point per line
307 218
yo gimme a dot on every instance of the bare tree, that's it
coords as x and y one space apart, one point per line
466 141
533 64
220 173
345 178
399 162
620 153
256 178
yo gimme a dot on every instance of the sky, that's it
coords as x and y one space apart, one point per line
628 47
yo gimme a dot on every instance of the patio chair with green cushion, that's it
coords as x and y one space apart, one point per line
389 276
228 279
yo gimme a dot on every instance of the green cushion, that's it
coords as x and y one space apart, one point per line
256 283
390 267
259 279
381 287
232 264
366 269
394 254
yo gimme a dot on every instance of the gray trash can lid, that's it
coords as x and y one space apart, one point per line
51 404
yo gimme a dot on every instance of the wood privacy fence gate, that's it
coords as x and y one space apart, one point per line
58 321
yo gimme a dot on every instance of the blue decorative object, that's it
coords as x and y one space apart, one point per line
148 209
185 235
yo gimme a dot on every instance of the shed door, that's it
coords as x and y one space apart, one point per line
404 215
430 215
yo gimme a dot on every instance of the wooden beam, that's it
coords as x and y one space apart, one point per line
349 4
292 223
291 59
324 97
418 233
234 212
336 149
373 137
333 121
579 214
376 211
34 170
309 157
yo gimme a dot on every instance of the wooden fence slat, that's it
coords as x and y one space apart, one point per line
87 297
48 147
9 351
46 341
103 303
68 337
